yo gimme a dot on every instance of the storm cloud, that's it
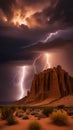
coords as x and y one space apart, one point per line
28 30
25 42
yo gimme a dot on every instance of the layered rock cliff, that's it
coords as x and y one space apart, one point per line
51 83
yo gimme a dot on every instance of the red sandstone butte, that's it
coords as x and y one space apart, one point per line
51 83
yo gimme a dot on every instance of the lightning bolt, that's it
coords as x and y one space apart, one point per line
47 56
34 63
21 84
50 37
47 62
47 65
24 72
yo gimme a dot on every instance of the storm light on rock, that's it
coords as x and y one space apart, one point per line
44 60
47 56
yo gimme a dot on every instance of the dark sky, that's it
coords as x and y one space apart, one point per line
33 35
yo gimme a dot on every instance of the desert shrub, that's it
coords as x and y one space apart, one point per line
19 107
34 126
59 118
11 120
25 117
32 109
5 113
24 108
60 107
34 113
13 108
1 108
47 110
70 112
19 113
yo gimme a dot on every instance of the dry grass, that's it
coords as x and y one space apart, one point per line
34 126
47 110
59 118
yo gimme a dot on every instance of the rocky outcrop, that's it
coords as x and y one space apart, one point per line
51 83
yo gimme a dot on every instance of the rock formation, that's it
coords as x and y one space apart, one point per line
51 83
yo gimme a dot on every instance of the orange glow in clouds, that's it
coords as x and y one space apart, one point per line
20 18
5 19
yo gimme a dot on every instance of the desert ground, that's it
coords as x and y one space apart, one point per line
46 124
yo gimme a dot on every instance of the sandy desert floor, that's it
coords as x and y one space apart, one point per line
45 122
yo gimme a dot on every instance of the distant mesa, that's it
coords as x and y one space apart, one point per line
51 83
